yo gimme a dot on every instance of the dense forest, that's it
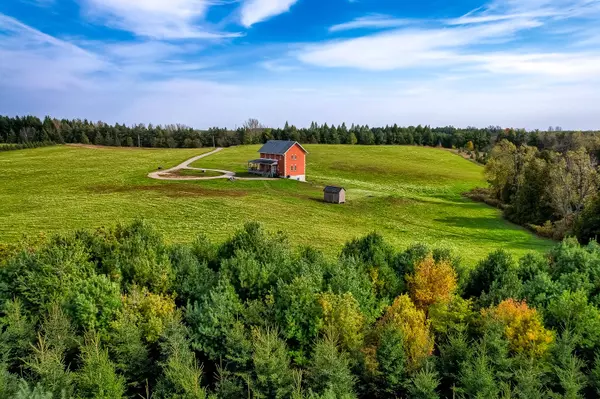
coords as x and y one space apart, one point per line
119 313
550 186
26 130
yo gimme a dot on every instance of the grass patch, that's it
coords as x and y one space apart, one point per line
198 173
408 194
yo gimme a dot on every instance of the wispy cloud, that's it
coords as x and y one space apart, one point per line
30 58
494 65
500 10
408 47
255 11
278 67
371 22
160 19
485 40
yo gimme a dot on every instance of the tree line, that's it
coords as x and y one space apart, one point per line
27 129
476 143
121 313
550 186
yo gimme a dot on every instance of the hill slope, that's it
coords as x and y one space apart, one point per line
408 194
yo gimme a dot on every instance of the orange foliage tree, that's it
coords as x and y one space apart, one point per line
432 282
522 327
412 322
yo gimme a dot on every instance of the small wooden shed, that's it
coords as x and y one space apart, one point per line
334 195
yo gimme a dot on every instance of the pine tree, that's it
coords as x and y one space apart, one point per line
391 361
424 383
272 375
329 370
97 377
182 374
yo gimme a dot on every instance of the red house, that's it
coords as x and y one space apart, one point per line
280 158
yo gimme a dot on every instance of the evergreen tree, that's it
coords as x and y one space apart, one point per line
329 369
272 374
424 383
97 377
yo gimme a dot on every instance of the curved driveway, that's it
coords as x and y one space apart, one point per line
168 174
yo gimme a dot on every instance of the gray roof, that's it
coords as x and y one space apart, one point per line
264 161
333 189
278 147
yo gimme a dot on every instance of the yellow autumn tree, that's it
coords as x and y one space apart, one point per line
342 316
523 327
470 146
148 311
412 322
432 282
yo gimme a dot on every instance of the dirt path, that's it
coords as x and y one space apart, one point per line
170 174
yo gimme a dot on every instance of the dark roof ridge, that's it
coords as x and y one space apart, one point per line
279 147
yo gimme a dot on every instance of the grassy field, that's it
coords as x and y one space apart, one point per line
197 173
408 194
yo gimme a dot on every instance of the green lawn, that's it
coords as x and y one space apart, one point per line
409 194
197 173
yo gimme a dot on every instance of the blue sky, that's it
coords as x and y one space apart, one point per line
514 63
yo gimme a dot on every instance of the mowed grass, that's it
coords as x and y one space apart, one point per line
408 194
197 173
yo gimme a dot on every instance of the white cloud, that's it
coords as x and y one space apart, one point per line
255 11
510 9
562 67
408 47
202 103
481 82
278 67
372 22
478 19
50 76
30 58
161 19
482 41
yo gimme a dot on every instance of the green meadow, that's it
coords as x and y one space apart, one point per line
408 194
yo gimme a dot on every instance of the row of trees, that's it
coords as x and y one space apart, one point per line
22 146
32 129
120 313
556 193
555 140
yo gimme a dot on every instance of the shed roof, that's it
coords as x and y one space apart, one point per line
333 189
279 147
264 161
